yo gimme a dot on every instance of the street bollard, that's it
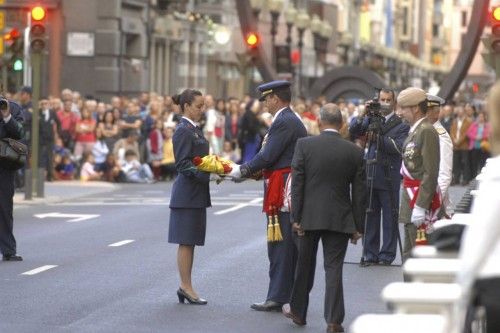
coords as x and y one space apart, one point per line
40 186
28 185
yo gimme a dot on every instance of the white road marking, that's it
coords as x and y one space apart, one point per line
39 270
239 206
123 242
146 203
73 217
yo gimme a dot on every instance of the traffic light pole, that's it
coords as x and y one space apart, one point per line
37 176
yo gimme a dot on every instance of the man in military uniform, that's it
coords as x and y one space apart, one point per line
11 126
434 104
420 168
275 159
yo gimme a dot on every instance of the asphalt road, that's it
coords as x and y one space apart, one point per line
72 280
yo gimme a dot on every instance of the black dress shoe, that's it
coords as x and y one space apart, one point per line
385 262
267 306
287 311
12 257
191 300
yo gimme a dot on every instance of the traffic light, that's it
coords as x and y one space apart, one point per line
495 30
38 28
252 40
15 46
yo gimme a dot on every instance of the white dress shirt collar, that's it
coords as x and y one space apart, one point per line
190 121
277 113
414 127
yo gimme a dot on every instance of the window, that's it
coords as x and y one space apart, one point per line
405 21
435 30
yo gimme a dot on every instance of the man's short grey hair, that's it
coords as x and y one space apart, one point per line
330 114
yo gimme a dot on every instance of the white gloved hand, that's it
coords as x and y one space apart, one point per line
418 216
235 172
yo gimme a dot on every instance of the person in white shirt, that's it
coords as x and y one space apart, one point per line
136 172
434 104
100 150
88 171
479 273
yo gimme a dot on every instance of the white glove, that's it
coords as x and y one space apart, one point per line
418 216
235 172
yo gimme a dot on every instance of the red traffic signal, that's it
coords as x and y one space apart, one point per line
38 13
495 30
38 29
12 35
252 40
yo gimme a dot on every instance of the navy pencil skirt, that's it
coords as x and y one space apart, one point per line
187 226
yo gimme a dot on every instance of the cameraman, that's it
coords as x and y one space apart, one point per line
11 126
385 133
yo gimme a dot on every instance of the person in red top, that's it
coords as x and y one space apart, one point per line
68 121
85 134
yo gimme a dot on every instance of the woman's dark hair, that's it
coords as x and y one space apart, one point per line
186 97
106 114
220 100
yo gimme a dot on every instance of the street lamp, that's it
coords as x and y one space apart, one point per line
302 23
316 28
290 15
256 7
275 8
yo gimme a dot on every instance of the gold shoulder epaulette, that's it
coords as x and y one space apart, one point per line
441 130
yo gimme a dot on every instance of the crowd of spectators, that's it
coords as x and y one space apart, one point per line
130 139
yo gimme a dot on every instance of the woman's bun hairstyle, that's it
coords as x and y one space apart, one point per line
177 99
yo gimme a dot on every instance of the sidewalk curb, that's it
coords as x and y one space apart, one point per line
72 186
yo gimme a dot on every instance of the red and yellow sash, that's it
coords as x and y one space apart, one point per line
412 187
274 198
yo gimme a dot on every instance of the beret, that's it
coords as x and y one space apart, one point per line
411 97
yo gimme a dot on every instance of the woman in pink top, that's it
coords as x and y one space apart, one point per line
478 134
85 134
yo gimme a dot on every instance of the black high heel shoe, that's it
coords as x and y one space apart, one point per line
185 296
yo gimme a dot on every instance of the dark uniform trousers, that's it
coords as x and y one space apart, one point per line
7 240
334 251
282 261
382 200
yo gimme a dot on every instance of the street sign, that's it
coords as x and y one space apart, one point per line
80 44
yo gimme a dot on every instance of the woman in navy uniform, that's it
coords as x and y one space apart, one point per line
190 191
11 126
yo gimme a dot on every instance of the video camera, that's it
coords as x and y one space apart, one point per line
4 104
373 111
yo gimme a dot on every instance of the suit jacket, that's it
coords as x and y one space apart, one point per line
394 132
326 171
421 157
278 146
462 143
191 187
14 128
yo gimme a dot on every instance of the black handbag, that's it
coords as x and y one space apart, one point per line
13 154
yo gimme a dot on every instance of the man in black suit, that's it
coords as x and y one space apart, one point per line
326 171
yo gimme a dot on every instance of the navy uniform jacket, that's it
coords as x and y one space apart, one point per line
277 149
14 128
191 187
394 133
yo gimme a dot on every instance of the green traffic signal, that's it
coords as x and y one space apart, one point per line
18 65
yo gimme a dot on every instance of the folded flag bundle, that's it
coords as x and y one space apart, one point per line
213 164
